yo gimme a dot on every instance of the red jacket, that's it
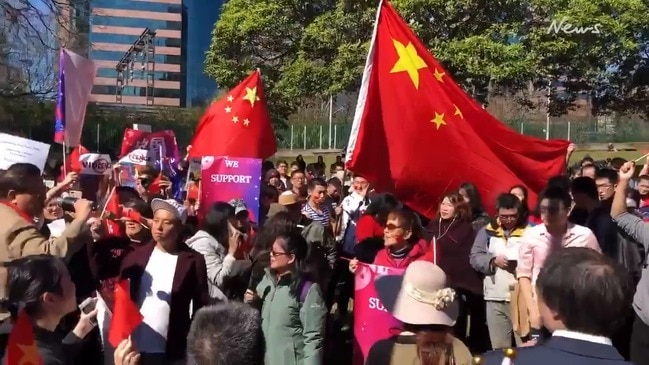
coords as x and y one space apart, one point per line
420 251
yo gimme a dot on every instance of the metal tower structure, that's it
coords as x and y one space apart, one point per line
144 50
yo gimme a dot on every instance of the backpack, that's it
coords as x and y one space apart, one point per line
305 290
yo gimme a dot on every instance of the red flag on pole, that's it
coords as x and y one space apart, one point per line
417 134
126 315
237 125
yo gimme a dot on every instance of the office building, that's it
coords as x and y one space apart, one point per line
199 17
149 52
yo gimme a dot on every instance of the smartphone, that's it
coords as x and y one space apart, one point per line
87 306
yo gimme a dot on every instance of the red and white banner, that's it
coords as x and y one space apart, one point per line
95 164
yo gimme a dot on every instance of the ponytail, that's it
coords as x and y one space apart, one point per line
434 344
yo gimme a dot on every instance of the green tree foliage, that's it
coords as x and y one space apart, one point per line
309 49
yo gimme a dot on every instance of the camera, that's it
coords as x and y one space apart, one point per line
67 203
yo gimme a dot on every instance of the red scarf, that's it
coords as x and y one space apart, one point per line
24 215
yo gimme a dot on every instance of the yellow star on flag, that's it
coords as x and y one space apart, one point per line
438 75
246 122
230 98
251 95
235 119
439 120
409 61
458 112
228 109
30 354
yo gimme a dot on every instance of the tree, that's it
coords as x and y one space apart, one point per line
592 47
28 40
31 34
308 49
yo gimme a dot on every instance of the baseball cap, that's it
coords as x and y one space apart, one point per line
172 206
287 198
239 206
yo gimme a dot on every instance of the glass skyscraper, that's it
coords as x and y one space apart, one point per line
174 75
199 17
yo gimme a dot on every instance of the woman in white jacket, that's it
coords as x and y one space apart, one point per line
218 241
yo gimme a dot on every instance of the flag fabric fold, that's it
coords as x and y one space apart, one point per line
21 345
126 315
76 78
237 125
417 134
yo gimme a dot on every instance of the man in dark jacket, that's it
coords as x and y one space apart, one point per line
571 280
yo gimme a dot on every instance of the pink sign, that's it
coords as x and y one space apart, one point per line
227 178
372 322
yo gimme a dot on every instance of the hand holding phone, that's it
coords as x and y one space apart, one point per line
234 239
89 311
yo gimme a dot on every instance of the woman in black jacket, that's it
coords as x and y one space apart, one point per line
42 287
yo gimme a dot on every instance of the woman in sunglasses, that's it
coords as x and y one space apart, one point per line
402 239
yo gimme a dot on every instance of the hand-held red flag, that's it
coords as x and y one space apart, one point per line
126 315
417 134
237 125
21 346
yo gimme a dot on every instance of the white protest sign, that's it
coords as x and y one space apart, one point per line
95 164
194 165
136 157
142 127
22 150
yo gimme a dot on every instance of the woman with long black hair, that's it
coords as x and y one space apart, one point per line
471 195
293 310
41 286
218 241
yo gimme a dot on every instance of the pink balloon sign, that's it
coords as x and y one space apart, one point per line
372 321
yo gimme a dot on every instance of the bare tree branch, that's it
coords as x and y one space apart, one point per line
31 33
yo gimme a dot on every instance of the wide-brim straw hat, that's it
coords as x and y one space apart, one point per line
420 296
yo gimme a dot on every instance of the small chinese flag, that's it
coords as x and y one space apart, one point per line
418 134
72 163
21 346
237 125
113 212
126 315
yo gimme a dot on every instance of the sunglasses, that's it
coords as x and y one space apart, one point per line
392 227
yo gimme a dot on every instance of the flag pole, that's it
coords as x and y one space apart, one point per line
65 168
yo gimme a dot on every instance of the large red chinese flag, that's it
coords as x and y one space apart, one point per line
417 134
126 315
237 125
21 346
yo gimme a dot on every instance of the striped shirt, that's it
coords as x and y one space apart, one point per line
323 218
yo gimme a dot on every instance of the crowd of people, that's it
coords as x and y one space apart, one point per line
563 280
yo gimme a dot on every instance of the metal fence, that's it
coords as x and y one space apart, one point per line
106 137
316 136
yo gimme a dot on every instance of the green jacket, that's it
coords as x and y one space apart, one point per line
294 331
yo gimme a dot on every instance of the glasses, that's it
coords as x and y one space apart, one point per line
276 253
